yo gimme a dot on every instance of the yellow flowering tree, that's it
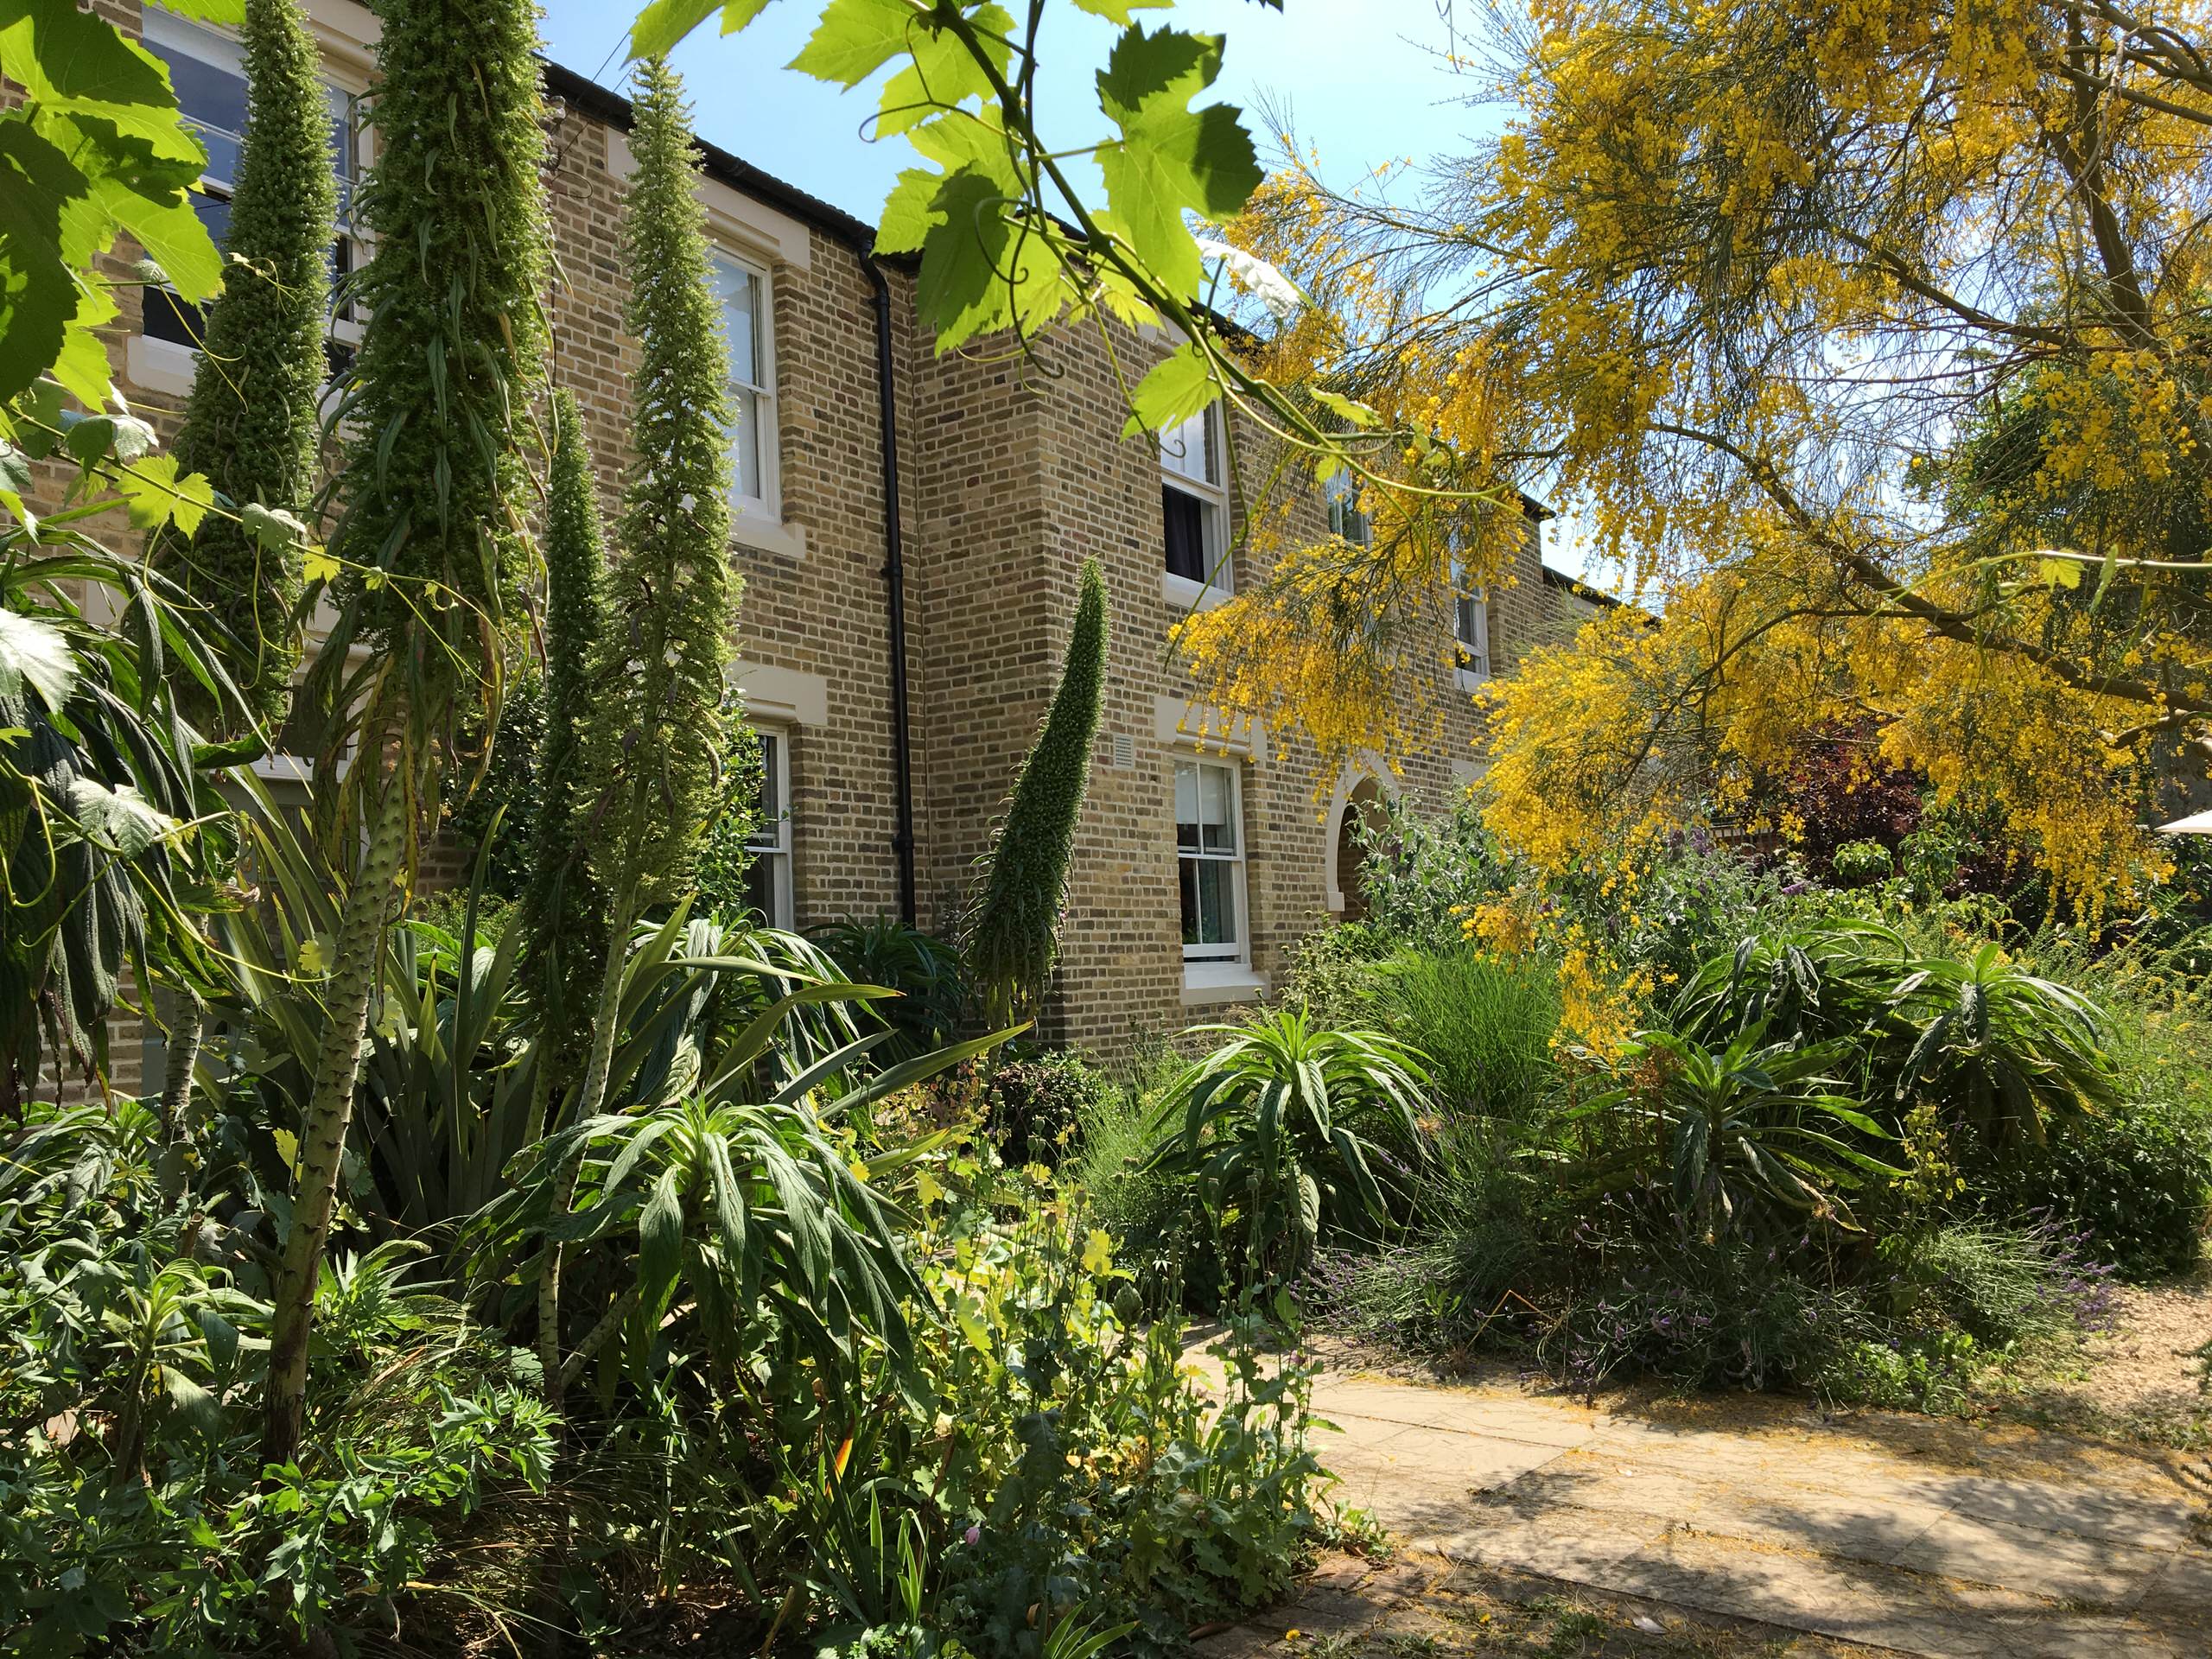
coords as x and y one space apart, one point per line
1870 335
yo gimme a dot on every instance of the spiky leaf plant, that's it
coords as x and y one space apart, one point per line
430 526
657 741
563 914
1014 928
253 420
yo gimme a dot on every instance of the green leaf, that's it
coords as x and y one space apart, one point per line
944 73
224 11
1345 409
1118 12
38 294
1180 385
35 654
661 25
119 819
855 38
158 495
274 528
908 212
660 1243
1170 157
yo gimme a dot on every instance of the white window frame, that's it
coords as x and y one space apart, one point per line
766 508
1471 657
1213 497
772 842
1201 960
159 365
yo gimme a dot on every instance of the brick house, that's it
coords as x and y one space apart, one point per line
910 529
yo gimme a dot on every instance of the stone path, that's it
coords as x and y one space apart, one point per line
1887 1533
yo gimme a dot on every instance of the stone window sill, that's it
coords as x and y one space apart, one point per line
1208 982
752 528
1470 679
1186 595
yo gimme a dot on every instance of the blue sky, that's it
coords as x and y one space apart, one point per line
1363 82
1360 77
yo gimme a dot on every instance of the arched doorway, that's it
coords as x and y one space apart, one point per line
1361 804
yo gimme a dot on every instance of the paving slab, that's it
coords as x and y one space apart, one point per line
1810 1526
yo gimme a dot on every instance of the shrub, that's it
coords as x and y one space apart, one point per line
1012 933
1332 974
925 970
1709 1313
1424 875
2137 1179
1858 862
1145 1209
1035 1105
1485 1023
1286 1131
2004 1285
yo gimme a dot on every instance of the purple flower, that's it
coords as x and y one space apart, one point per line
973 1534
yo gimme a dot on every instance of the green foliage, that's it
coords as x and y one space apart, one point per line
924 971
657 741
98 774
494 821
439 398
564 911
95 150
1012 932
1035 1105
1085 1476
2007 1051
1485 1023
1858 862
2137 1178
1425 875
253 423
1280 1130
137 1312
720 872
1739 1136
2002 1051
1333 972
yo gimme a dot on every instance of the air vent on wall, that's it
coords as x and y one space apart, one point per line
1125 752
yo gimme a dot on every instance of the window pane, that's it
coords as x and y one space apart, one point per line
213 101
1184 517
1219 828
1187 870
1186 805
761 878
1214 902
738 291
769 803
745 442
169 318
1187 449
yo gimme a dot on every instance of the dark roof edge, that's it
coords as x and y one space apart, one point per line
603 104
1579 588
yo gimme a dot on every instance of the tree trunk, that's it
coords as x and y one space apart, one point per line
183 1056
330 1111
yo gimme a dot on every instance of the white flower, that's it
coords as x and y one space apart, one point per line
1256 277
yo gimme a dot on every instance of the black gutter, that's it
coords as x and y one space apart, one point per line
894 581
612 108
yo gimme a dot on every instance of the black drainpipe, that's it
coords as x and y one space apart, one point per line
894 579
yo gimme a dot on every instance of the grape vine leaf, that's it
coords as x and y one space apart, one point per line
1170 157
